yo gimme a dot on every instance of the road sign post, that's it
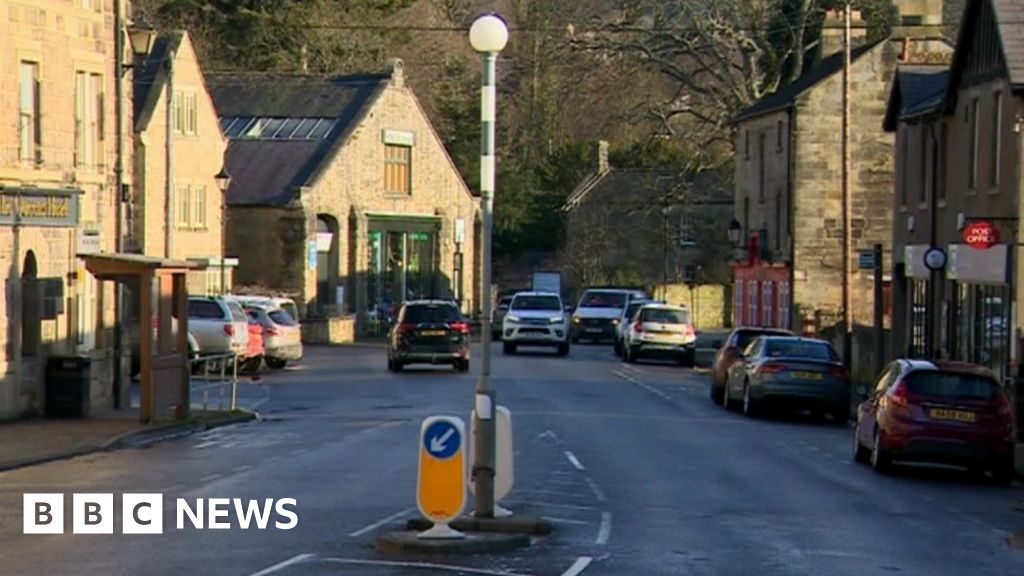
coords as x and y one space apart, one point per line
441 482
504 473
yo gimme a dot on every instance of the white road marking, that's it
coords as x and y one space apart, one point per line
567 521
598 493
578 566
547 434
554 505
647 387
380 523
574 461
421 565
282 565
209 478
605 531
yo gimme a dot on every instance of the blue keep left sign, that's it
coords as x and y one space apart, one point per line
442 439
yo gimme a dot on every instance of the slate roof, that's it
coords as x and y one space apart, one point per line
269 172
916 90
626 180
150 78
787 95
1009 17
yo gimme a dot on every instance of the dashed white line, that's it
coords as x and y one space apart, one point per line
556 505
282 565
380 523
574 461
605 531
422 565
598 493
578 566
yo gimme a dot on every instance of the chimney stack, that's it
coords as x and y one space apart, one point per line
601 156
833 29
918 19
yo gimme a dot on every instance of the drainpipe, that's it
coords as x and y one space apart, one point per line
169 156
119 198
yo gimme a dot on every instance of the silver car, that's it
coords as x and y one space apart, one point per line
282 338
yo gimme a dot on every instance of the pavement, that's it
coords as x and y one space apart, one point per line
40 440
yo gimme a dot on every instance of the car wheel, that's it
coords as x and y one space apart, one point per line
840 415
617 347
391 364
398 365
276 363
686 359
861 454
563 349
880 460
631 355
575 339
495 336
508 348
1003 472
750 407
462 365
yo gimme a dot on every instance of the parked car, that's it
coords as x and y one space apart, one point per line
498 316
597 310
662 331
283 302
790 372
937 412
254 349
282 337
219 325
131 334
429 332
731 351
535 319
625 319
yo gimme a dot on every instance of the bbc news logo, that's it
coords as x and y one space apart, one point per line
144 514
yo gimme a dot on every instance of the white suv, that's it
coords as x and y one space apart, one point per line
535 319
660 330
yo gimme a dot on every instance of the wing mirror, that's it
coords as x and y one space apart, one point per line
862 391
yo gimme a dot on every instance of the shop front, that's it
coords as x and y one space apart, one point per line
979 310
404 264
762 291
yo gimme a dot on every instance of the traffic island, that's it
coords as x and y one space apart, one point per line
409 542
529 525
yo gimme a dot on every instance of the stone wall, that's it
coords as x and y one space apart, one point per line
709 304
334 330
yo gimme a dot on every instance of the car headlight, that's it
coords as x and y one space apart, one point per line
512 318
558 320
615 321
575 319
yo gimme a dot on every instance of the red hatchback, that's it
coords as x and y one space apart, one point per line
937 412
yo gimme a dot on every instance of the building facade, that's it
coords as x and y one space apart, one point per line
957 169
58 192
343 195
789 174
176 209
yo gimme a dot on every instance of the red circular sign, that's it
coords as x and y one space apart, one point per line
981 235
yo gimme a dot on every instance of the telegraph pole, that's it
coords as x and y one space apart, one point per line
847 240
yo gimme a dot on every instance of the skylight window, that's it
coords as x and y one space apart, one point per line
273 128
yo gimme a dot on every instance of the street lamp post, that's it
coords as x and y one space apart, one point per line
488 36
223 182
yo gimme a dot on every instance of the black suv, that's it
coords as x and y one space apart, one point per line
429 332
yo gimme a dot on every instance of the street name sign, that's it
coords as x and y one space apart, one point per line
441 482
866 260
504 473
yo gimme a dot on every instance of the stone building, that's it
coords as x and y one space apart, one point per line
182 221
788 177
643 227
343 196
58 192
957 157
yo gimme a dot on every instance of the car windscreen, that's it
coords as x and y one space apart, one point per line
207 309
800 349
950 385
291 310
665 316
632 308
593 299
537 303
745 337
281 317
420 313
504 302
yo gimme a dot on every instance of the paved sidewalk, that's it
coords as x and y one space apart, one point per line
35 441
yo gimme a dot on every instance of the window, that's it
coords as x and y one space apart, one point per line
760 167
88 119
778 137
85 308
783 305
904 165
198 212
778 221
738 304
997 140
185 114
182 214
768 292
752 296
972 120
30 129
687 234
397 161
746 144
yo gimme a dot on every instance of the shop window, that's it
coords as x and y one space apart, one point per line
752 298
768 293
784 300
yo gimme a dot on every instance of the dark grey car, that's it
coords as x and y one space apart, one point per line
429 332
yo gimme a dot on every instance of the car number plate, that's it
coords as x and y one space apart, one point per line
593 330
807 375
432 333
954 415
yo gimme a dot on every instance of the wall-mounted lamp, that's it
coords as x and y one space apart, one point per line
141 39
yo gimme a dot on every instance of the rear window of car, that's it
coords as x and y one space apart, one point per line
237 314
665 316
744 337
207 309
504 302
632 308
950 385
593 299
281 317
419 313
800 349
536 303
